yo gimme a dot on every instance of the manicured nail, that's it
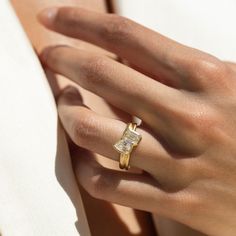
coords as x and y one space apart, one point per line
70 89
72 95
48 15
44 55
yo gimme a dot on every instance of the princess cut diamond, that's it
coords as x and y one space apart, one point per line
124 146
132 136
129 140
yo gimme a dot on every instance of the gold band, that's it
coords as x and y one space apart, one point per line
124 161
129 140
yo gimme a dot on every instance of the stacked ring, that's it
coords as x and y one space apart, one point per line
129 140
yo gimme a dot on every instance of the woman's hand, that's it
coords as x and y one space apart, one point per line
187 101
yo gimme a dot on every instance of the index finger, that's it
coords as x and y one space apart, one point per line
172 62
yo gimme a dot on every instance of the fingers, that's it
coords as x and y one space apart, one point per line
171 62
120 85
115 186
98 134
120 187
138 191
175 116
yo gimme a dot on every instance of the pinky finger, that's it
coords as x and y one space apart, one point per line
139 191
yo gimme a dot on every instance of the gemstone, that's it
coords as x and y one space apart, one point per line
129 140
132 136
124 145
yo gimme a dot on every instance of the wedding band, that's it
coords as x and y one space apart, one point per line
129 140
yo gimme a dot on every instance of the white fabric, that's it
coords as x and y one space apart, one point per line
32 202
35 173
204 24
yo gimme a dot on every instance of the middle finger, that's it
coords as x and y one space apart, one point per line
120 85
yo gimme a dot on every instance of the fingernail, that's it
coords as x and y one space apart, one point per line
44 54
48 15
70 89
71 95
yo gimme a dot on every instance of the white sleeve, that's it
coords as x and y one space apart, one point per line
38 191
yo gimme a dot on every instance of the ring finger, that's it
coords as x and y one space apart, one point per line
98 134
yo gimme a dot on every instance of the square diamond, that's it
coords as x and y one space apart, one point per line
132 136
124 146
129 140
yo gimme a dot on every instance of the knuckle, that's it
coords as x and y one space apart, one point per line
84 131
209 67
199 118
189 203
202 120
117 29
199 125
208 125
206 169
53 56
93 71
203 127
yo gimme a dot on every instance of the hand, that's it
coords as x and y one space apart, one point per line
187 101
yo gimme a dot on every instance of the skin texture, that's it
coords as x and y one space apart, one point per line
122 220
139 223
186 99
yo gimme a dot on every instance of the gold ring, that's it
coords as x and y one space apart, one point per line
129 140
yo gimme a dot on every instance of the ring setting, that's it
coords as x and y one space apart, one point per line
129 140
